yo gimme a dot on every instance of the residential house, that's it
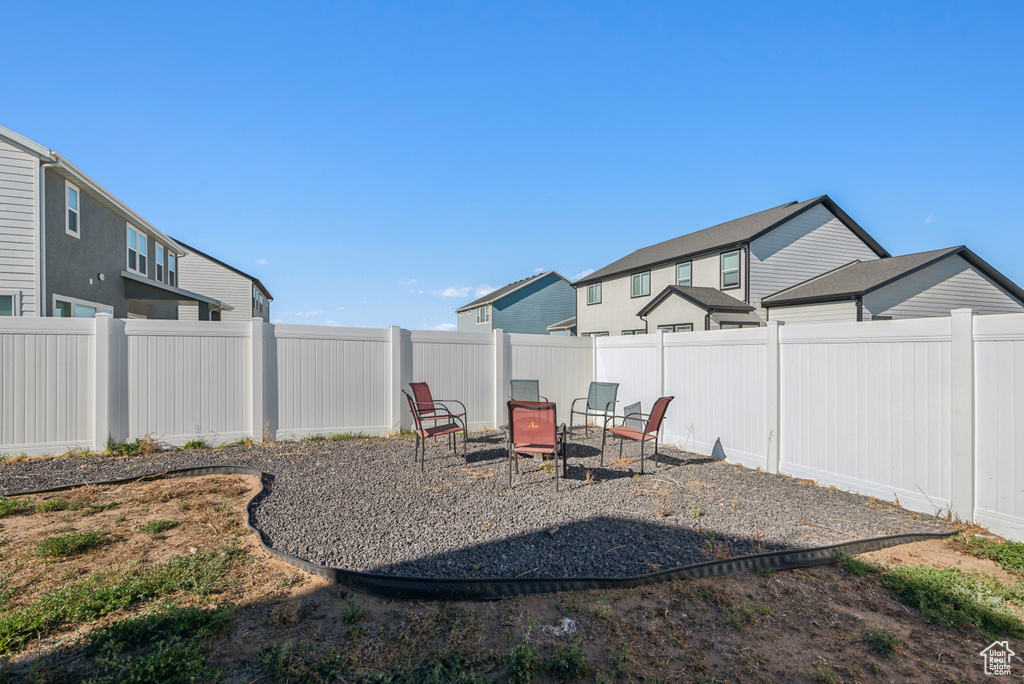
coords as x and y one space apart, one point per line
242 296
68 247
910 286
525 306
717 277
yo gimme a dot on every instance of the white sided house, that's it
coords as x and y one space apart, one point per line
242 296
911 286
716 277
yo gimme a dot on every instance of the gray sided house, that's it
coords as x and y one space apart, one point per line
718 277
910 286
242 296
68 247
525 306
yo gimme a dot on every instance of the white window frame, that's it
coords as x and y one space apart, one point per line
68 187
633 281
591 289
483 314
638 331
172 269
689 273
675 327
100 308
731 270
141 239
15 296
158 261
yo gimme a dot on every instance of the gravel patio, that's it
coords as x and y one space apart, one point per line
363 504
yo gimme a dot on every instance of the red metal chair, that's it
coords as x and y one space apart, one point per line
451 428
533 429
645 434
434 410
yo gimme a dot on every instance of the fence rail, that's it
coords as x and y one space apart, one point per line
922 411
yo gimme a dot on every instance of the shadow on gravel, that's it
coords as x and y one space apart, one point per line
603 546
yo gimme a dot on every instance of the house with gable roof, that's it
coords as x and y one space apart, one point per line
529 306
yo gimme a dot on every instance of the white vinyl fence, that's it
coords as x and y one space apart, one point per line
923 411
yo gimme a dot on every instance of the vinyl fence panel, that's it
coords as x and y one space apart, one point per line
563 365
457 366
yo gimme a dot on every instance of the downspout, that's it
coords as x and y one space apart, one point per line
860 307
646 331
707 320
42 231
746 273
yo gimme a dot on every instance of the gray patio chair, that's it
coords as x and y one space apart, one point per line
526 390
633 416
601 400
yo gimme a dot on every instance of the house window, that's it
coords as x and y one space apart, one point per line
595 334
160 263
68 307
634 332
677 327
8 305
72 225
641 284
172 273
594 293
483 314
136 251
731 269
683 274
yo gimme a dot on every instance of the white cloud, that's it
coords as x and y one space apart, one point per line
445 326
415 291
341 308
538 270
484 289
262 262
453 292
407 283
307 314
583 274
929 219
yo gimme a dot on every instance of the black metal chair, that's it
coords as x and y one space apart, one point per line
451 428
601 400
649 430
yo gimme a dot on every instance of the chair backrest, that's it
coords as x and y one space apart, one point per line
415 412
632 417
525 390
601 394
424 402
657 414
532 422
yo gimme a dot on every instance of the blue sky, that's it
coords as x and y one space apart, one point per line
368 161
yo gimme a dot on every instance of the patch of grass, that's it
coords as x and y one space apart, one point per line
92 508
346 436
742 613
882 641
569 661
602 611
244 441
521 663
314 438
124 448
823 673
102 592
354 612
52 505
450 669
71 544
156 528
9 506
194 444
1009 555
170 644
289 662
622 664
949 597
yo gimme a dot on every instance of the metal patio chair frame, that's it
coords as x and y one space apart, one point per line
652 423
594 406
423 432
531 387
435 410
557 448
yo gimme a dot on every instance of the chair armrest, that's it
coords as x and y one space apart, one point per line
573 407
443 402
543 398
433 413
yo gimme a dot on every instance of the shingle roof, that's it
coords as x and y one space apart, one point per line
707 298
725 234
563 325
508 289
860 277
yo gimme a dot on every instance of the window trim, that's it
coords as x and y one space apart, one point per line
68 186
690 279
673 327
721 270
595 334
158 260
172 272
640 274
600 293
140 237
634 332
16 301
483 314
100 308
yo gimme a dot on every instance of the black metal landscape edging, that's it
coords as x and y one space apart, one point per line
394 586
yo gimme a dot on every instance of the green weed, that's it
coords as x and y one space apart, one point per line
346 436
881 640
71 544
156 528
354 612
569 661
314 438
194 444
1009 555
52 505
244 441
450 669
9 506
300 663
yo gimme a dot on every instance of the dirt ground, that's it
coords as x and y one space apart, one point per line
791 626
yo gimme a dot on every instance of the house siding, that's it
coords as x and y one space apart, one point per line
467 322
808 245
198 274
531 309
676 310
618 308
951 283
19 239
826 312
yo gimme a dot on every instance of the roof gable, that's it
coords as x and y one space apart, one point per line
731 233
502 292
255 280
707 298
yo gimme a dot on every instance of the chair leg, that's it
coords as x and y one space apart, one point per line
641 457
604 434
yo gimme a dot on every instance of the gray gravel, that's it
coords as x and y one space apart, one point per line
364 505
